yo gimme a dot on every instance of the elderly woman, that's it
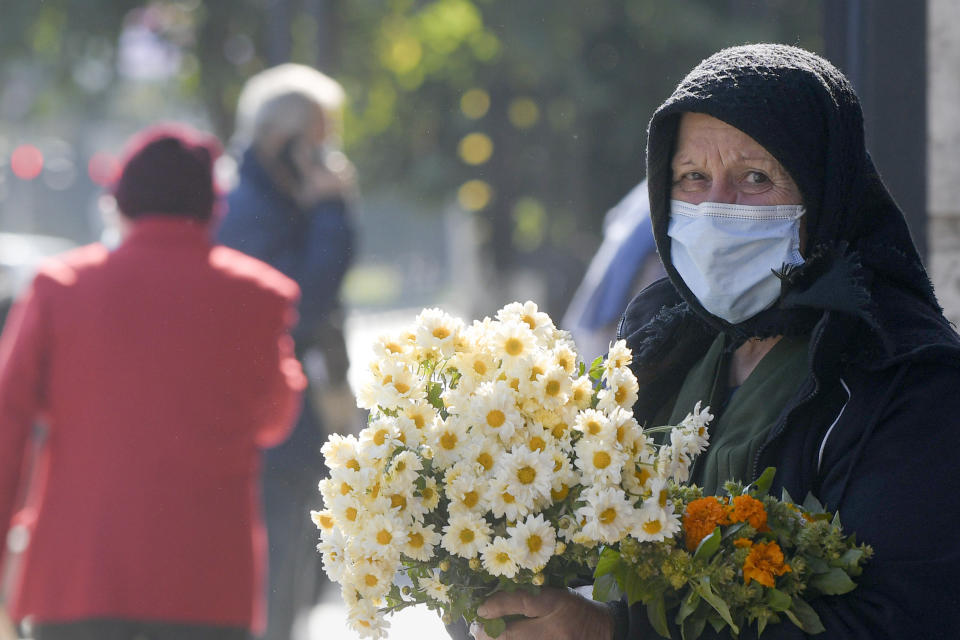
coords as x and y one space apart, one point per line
292 210
796 306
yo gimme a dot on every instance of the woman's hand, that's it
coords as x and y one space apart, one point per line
553 614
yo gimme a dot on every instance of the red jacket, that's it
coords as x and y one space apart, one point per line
160 370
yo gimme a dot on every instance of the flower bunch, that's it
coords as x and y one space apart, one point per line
741 558
493 459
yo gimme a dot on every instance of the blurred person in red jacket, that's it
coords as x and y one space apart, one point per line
160 370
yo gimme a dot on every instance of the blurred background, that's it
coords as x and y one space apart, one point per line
489 136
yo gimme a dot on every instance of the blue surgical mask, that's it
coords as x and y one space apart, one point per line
727 253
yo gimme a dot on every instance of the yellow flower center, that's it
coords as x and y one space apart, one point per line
601 460
530 321
608 515
470 499
371 580
537 443
345 488
508 498
393 347
662 499
620 395
642 475
559 429
416 540
480 367
398 500
351 514
325 521
384 537
401 387
621 433
441 333
593 427
513 346
448 441
534 372
353 464
400 466
515 384
553 388
526 475
561 494
652 526
380 436
418 420
502 557
486 460
534 543
496 418
466 536
427 494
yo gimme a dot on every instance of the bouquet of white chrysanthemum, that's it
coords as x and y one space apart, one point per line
492 460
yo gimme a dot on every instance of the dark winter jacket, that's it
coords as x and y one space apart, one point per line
874 429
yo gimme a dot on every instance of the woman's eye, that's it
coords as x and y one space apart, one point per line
757 177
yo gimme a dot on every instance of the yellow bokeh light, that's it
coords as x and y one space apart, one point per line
405 54
475 148
475 103
474 195
523 113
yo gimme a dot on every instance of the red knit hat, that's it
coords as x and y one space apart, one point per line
168 170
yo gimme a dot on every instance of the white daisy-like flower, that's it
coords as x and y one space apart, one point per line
332 548
434 588
568 528
404 468
600 461
438 331
466 493
420 543
529 314
364 618
655 524
324 520
537 438
370 577
379 438
475 367
502 503
595 425
394 347
484 453
608 515
500 558
563 475
549 388
466 534
445 439
348 511
565 356
421 413
493 409
382 536
618 358
581 392
621 391
430 494
514 344
341 451
637 477
535 541
527 475
628 430
673 462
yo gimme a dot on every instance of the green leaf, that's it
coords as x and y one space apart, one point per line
778 600
803 615
705 589
635 588
812 505
605 588
494 627
708 546
733 530
761 625
785 496
607 563
693 627
688 606
851 557
657 614
581 369
763 483
434 389
833 583
596 368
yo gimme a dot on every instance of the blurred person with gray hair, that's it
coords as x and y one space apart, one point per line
292 208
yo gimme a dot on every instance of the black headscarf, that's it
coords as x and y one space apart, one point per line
860 259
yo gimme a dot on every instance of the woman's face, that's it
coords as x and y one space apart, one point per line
715 162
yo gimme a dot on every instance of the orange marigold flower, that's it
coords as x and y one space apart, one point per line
764 562
700 518
740 543
749 509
